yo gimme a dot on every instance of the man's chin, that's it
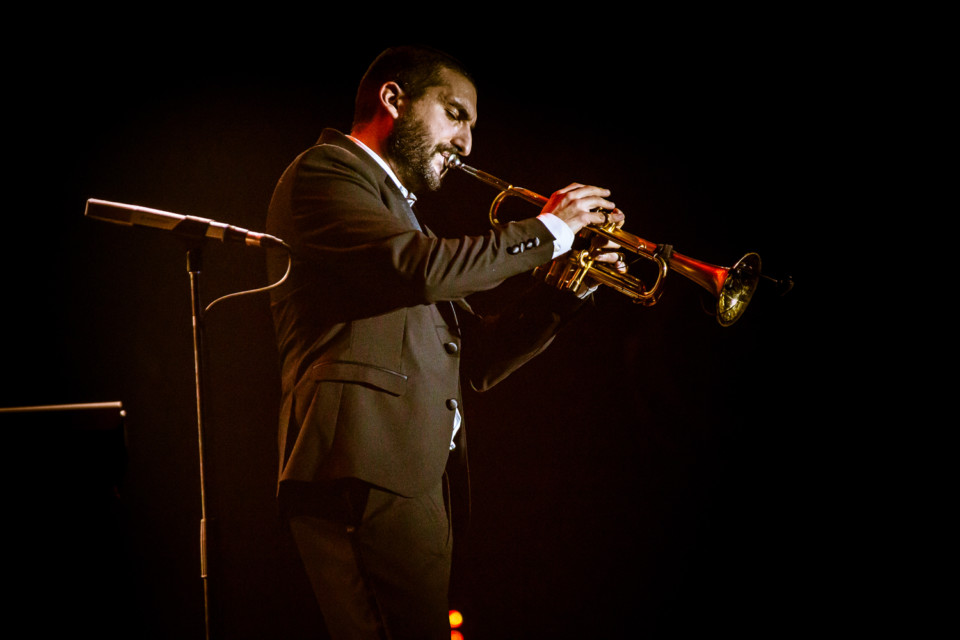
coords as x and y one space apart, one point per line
436 175
432 179
423 178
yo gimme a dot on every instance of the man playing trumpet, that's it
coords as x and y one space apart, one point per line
374 336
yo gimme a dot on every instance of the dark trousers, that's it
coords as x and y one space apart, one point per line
379 563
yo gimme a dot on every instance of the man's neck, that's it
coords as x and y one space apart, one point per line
373 140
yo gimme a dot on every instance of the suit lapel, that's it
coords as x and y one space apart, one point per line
397 203
402 204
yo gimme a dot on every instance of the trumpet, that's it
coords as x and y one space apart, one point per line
733 287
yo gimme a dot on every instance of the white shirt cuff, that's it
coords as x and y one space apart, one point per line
562 234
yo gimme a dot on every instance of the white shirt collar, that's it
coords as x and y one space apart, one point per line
411 198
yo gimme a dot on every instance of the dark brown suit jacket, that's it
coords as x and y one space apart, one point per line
371 324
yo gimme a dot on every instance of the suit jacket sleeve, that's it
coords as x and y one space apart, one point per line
500 343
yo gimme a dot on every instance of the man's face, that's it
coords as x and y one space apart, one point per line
438 123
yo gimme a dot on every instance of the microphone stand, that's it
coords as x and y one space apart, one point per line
194 267
194 232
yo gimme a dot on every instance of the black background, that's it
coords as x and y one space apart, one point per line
652 473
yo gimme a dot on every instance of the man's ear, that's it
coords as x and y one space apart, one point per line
392 98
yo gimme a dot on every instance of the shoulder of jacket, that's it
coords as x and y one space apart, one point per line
331 155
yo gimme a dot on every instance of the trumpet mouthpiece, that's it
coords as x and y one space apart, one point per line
452 161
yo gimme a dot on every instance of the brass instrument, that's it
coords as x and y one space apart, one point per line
731 286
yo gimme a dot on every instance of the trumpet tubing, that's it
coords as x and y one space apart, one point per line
733 286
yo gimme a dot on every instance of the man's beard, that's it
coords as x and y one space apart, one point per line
411 152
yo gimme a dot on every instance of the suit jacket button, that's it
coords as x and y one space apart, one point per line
451 347
452 404
514 249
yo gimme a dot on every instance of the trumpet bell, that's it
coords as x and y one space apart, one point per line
738 288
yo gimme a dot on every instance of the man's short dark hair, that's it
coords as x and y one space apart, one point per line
415 69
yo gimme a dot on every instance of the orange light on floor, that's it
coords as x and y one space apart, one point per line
456 618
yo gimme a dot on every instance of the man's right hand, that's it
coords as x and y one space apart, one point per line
577 205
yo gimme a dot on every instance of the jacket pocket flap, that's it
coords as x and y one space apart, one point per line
358 373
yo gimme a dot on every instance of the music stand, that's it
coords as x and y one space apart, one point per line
81 447
65 464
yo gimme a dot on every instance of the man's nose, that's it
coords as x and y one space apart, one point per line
463 141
